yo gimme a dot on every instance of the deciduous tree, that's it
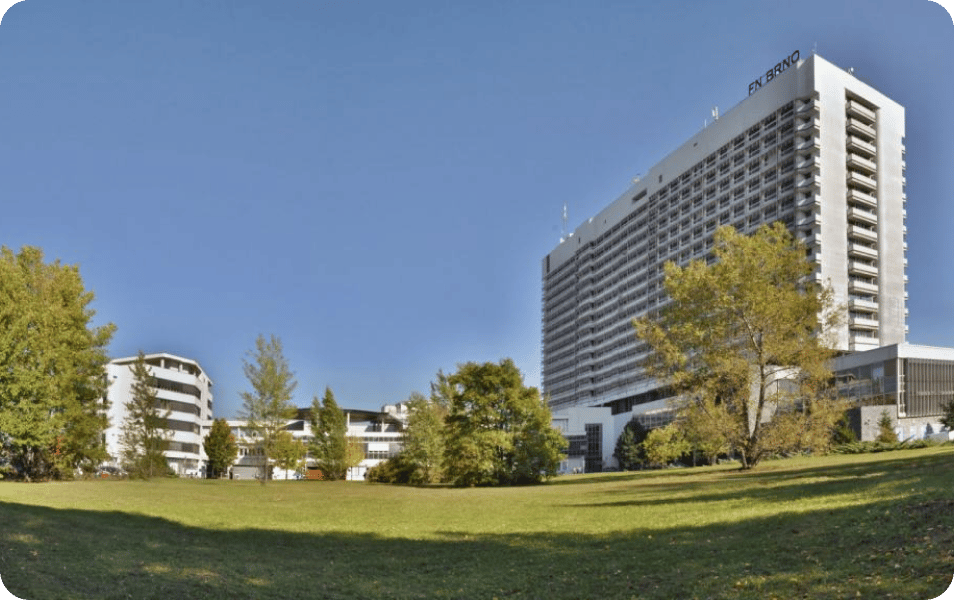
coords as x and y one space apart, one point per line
748 338
498 430
221 447
289 452
665 444
52 361
144 437
424 436
268 407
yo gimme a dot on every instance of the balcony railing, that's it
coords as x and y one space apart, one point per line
862 181
859 110
860 268
864 216
856 231
860 162
862 251
856 126
862 197
856 143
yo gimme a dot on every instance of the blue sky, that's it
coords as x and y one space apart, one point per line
377 182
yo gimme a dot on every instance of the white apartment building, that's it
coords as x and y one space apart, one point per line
811 146
184 389
380 434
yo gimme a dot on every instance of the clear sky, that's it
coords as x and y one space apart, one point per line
377 182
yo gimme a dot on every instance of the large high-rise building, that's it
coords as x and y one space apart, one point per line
811 146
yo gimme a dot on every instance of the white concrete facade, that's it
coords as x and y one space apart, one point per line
815 148
912 382
184 388
381 435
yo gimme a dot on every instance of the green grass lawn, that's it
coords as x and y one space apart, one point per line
863 526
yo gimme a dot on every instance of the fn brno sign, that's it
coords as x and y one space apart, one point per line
775 71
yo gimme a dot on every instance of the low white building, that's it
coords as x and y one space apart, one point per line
184 389
380 434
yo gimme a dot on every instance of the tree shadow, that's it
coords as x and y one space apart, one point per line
783 485
879 549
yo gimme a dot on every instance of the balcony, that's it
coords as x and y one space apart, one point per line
812 143
864 342
858 232
855 143
855 126
863 305
809 221
813 200
810 106
862 197
859 268
856 109
858 322
862 286
862 251
811 124
855 160
811 181
860 180
813 162
864 216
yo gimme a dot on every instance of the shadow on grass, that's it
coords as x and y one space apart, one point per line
787 485
902 549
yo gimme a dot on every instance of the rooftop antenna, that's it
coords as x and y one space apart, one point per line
815 48
715 113
563 235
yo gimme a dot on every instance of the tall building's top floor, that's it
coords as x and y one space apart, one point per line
180 382
719 145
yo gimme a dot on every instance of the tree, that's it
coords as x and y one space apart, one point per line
948 418
52 359
886 434
267 408
220 446
289 452
665 444
331 449
747 339
498 430
143 432
424 435
629 452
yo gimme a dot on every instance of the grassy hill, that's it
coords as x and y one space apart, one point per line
868 526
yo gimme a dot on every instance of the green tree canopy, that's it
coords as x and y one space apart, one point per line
289 452
268 407
331 449
424 436
747 337
143 431
629 453
52 361
498 430
220 446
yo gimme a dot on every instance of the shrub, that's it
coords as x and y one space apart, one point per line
397 469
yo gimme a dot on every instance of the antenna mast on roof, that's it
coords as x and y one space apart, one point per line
563 234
